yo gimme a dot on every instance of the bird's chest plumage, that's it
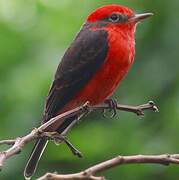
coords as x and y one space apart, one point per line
120 56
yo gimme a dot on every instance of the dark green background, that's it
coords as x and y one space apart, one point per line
33 37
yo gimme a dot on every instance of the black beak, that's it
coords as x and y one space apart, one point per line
139 17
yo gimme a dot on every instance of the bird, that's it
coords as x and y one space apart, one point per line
91 69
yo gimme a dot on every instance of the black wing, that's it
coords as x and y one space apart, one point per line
81 61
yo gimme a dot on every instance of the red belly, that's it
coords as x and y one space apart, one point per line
101 86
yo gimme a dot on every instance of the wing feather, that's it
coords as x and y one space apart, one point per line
79 64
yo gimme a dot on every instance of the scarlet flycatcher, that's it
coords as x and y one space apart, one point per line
91 68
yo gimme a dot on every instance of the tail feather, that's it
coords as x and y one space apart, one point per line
36 153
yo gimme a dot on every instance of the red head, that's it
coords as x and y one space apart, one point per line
105 11
115 15
119 22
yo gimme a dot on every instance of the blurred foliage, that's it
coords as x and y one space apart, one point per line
34 36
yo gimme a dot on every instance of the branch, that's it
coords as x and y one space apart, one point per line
134 109
36 133
89 173
42 131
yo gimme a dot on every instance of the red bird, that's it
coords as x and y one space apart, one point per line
91 68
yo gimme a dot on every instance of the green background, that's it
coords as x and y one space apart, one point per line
34 35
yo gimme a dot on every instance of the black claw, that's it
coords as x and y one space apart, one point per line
112 106
103 113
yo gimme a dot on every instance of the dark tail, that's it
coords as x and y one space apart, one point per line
36 153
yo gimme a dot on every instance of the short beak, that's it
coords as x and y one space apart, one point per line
138 17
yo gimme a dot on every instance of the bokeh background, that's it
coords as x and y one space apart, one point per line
34 35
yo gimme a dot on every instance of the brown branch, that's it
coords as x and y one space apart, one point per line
134 109
36 133
89 173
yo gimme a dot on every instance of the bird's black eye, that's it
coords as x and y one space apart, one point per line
114 17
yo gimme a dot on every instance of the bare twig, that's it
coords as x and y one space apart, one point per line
89 173
59 138
134 109
36 133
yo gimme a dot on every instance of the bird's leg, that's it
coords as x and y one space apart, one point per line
112 106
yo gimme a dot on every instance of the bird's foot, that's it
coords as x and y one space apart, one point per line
112 107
